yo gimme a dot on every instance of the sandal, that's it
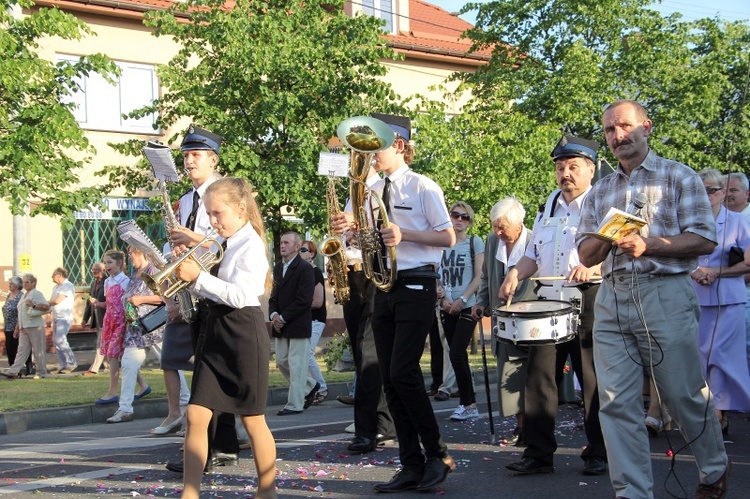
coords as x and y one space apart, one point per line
655 426
320 397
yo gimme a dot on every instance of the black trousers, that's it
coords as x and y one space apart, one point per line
222 435
545 372
436 356
401 321
371 414
459 329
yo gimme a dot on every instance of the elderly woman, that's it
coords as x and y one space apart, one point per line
10 319
721 294
29 329
506 244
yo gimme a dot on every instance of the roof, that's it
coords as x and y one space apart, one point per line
434 32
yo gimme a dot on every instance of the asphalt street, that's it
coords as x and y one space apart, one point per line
124 460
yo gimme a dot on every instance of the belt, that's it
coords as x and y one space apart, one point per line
427 271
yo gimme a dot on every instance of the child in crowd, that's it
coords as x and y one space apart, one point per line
113 328
231 370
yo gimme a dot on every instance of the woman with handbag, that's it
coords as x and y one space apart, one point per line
721 294
138 301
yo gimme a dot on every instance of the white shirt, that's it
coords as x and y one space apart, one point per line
417 203
202 222
64 309
242 272
553 245
120 279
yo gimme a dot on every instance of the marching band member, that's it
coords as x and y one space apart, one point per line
402 316
553 253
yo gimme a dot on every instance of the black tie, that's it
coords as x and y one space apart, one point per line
191 219
215 268
386 200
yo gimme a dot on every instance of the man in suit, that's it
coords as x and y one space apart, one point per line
290 312
94 315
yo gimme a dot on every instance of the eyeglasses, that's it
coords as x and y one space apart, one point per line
713 190
463 216
303 250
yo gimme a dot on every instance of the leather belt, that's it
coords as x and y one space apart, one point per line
427 271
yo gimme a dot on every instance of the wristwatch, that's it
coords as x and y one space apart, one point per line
463 299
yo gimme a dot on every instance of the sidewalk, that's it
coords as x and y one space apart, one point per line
36 419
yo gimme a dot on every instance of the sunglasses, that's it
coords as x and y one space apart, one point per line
463 216
713 190
303 250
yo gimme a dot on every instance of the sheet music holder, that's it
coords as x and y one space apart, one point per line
131 234
162 162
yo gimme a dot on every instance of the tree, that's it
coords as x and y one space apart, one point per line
41 146
570 58
557 63
274 78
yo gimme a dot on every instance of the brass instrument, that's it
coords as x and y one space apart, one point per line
185 301
166 274
333 247
365 136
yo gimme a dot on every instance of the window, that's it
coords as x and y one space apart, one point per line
101 105
383 9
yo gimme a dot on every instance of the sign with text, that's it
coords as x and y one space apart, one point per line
127 204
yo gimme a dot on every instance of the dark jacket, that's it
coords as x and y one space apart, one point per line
95 314
292 298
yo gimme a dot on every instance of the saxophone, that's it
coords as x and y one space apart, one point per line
365 136
185 301
333 247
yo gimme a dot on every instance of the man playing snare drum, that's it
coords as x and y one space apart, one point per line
553 253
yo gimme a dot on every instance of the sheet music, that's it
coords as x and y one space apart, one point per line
332 163
134 236
162 162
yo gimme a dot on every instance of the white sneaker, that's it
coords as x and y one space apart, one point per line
120 417
350 429
463 413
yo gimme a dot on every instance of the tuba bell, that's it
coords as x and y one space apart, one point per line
365 136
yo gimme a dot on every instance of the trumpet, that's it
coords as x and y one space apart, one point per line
166 273
365 136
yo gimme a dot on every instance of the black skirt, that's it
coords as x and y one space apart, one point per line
231 373
177 347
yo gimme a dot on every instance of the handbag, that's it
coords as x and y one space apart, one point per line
736 255
155 319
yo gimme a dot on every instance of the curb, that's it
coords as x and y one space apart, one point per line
12 423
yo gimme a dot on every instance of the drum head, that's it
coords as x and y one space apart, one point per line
536 308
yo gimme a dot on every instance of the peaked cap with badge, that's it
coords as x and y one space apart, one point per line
574 147
399 124
198 138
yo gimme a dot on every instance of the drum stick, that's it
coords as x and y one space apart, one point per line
556 278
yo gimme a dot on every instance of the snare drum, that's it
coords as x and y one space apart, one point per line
534 322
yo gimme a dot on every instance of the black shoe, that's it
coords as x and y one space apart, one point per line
360 445
310 397
287 412
432 392
529 466
442 396
436 471
401 481
456 395
178 467
595 466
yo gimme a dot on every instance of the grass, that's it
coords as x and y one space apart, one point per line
69 390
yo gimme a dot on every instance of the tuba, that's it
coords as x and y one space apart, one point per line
365 136
333 248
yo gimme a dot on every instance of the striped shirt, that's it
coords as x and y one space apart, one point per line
677 203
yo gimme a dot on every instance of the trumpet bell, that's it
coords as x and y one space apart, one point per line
365 134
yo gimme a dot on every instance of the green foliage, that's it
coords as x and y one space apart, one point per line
42 148
335 349
275 78
562 61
